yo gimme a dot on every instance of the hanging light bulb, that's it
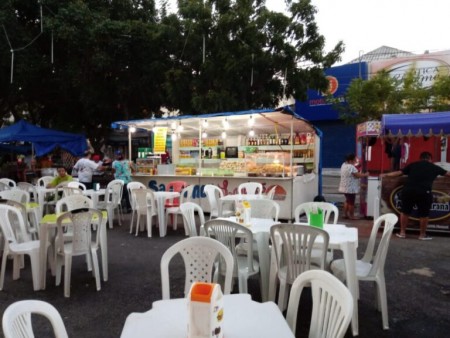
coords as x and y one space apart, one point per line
226 124
204 134
154 128
173 125
174 137
132 129
251 133
205 123
180 127
251 121
224 135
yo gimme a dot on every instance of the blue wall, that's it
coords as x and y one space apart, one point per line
339 139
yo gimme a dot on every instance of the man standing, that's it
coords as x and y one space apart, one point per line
85 169
418 191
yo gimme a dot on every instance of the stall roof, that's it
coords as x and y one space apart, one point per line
266 121
418 124
44 140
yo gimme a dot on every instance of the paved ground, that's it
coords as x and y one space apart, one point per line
417 278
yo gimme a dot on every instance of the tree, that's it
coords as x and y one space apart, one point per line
97 61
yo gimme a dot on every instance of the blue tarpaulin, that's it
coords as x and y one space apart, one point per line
44 140
419 124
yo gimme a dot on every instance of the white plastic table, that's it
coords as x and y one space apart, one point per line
341 238
161 197
94 195
47 224
233 198
243 318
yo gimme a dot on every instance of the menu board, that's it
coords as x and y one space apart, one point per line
159 140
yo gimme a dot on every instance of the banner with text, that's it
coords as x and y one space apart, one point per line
159 140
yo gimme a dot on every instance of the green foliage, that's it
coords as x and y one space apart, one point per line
124 59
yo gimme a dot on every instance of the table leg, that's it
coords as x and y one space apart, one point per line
161 217
349 253
104 248
262 241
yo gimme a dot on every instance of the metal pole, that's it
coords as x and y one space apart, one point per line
129 143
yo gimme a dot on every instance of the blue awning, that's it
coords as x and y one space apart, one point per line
420 124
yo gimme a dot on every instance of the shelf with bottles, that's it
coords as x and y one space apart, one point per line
298 139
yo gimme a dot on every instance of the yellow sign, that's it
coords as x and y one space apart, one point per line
159 140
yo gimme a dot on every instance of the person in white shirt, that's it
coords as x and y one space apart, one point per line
85 168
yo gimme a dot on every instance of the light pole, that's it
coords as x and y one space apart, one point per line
131 129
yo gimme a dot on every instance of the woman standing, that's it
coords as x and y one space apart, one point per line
122 170
349 184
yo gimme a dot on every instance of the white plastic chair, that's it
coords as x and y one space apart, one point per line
227 233
265 208
199 256
30 189
185 196
250 188
293 245
371 266
271 193
188 210
144 205
214 193
332 307
9 182
17 323
81 244
68 191
113 197
130 187
76 184
15 248
15 194
44 180
58 194
328 209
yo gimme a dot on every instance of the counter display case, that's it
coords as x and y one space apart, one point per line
147 166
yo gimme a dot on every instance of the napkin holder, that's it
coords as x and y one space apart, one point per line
205 308
316 218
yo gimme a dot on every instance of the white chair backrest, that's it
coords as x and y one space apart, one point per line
141 197
293 246
68 191
30 189
81 220
271 192
378 260
188 210
327 208
114 191
76 184
16 320
199 255
15 194
226 232
130 187
264 208
332 304
213 193
9 182
250 188
72 202
44 180
12 223
186 194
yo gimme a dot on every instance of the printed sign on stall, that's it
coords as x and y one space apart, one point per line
159 140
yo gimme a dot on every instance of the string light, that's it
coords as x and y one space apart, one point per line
226 124
251 121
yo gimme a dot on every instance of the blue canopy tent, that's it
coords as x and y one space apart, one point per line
420 124
44 140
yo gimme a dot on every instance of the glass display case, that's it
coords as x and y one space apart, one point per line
269 164
148 165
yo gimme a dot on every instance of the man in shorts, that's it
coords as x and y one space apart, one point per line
417 191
